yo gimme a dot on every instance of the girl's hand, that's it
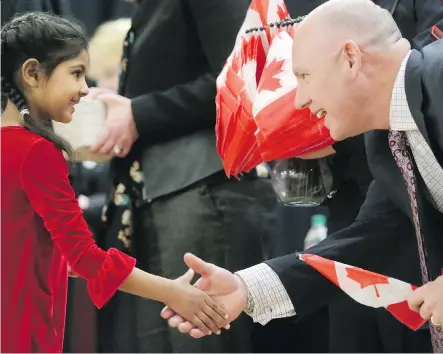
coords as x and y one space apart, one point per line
195 305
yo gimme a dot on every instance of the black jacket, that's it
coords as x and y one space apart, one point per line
383 228
351 173
180 48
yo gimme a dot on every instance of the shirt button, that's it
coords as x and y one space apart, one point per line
149 200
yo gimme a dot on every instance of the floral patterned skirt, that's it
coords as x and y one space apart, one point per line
117 214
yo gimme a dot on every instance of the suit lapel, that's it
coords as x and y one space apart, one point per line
385 170
430 223
388 175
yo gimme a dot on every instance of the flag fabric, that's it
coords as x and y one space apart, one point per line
237 86
256 116
369 289
283 130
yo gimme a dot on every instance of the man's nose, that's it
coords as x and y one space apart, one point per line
302 100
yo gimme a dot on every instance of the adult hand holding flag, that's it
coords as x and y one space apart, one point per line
370 289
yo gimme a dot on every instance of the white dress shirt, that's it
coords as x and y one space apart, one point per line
400 119
269 296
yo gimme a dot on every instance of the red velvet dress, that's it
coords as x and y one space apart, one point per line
42 230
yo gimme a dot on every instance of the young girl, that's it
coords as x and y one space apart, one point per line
44 59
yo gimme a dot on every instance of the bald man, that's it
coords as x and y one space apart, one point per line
356 70
353 327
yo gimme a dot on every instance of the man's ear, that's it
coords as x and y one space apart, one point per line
31 73
351 57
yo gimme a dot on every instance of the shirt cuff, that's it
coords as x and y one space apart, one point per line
270 297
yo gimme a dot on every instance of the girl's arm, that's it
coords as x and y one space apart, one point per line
44 178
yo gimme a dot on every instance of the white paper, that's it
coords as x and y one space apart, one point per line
84 130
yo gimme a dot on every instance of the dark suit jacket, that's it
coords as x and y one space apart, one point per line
383 227
179 50
349 165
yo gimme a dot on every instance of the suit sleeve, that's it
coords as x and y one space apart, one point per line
190 107
44 178
429 22
379 230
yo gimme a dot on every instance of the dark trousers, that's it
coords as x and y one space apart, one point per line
361 329
227 224
288 335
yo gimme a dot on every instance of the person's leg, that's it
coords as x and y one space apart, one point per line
311 333
116 321
353 327
151 330
116 325
397 338
184 222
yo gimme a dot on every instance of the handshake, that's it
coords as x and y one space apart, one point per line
216 299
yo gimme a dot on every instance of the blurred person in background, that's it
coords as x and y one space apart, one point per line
105 52
170 193
97 12
10 8
91 182
91 179
347 326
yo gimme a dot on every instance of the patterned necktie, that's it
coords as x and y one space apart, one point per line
403 158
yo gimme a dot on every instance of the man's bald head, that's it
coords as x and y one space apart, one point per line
346 54
361 21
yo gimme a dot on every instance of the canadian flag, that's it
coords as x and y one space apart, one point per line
237 87
284 131
260 14
368 288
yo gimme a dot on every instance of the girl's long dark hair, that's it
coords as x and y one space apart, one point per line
51 40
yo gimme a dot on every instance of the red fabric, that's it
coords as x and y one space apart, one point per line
42 229
384 291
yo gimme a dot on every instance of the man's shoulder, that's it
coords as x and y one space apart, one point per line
430 58
434 52
424 73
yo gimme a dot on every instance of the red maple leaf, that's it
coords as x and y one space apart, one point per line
269 81
249 47
366 278
282 12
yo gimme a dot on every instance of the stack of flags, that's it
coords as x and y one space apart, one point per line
256 116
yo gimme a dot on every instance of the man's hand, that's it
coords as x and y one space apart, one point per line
224 287
428 300
120 131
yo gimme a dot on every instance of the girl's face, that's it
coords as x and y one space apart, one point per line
55 96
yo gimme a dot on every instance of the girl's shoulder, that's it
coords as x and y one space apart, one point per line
22 141
19 134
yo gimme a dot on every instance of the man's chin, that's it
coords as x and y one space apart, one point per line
339 135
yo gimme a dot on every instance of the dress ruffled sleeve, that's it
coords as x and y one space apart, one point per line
113 271
44 178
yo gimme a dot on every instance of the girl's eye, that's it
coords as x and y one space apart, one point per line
78 74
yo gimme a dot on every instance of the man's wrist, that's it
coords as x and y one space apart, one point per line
248 307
